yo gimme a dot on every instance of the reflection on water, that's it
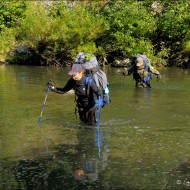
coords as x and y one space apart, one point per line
91 155
70 165
147 131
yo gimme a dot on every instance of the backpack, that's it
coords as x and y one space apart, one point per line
93 72
87 60
145 75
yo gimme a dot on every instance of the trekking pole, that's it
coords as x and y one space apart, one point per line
98 111
162 81
98 142
98 130
43 105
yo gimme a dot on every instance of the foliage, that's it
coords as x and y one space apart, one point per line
173 29
11 12
187 46
83 27
130 25
7 42
175 22
36 26
51 33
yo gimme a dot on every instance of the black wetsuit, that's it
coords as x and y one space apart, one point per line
86 96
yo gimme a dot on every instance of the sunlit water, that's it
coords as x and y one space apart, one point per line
143 141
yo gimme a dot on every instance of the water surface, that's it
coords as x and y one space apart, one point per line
143 141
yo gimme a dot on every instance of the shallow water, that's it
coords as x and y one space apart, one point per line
143 141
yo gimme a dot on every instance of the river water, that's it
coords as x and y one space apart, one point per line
143 141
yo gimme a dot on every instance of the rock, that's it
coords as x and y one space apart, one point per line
121 63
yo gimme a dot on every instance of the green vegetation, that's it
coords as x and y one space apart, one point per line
44 33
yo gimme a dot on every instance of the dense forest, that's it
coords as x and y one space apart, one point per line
50 33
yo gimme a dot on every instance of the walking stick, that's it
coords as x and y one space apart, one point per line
98 142
99 112
98 130
43 105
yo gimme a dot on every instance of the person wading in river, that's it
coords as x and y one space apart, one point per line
142 71
86 95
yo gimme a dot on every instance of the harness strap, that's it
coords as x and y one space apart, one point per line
88 82
147 78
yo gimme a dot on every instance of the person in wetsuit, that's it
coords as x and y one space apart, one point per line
86 94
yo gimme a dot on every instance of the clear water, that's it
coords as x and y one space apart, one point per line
143 141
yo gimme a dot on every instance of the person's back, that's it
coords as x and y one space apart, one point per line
94 73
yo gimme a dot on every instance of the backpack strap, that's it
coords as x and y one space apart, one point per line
88 82
149 77
145 65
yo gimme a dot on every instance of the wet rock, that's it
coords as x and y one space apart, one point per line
121 63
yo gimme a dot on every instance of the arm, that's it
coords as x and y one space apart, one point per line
153 70
69 85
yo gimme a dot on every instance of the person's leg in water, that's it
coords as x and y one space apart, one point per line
148 84
142 84
82 110
82 114
88 115
92 116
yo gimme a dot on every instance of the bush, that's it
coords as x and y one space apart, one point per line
130 25
49 34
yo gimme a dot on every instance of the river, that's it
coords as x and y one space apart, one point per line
143 141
